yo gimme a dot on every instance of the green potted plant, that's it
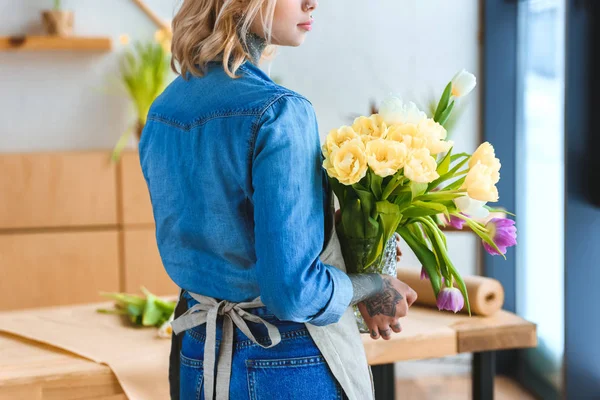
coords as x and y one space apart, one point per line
144 73
58 22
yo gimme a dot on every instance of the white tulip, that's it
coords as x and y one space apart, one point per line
463 83
395 111
166 330
471 207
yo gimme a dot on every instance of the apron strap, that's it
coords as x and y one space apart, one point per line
207 311
174 356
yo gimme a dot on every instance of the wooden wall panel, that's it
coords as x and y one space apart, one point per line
137 208
57 268
143 265
57 190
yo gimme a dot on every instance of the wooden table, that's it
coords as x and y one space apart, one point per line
29 370
428 333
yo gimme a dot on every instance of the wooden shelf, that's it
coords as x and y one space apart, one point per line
54 43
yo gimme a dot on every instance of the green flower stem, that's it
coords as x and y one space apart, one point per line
452 270
428 242
472 224
435 231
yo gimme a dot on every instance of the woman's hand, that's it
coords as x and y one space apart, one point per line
382 311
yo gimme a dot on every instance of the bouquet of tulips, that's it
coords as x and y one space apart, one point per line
394 172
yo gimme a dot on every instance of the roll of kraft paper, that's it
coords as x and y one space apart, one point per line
485 294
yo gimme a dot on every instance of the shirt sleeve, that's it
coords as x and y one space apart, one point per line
289 218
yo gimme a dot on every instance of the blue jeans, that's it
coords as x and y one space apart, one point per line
294 369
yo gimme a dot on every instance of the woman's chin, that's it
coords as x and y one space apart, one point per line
298 40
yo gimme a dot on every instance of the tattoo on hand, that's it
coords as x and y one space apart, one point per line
384 302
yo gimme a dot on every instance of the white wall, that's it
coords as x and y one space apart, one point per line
356 51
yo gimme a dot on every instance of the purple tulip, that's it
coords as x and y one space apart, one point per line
503 233
450 299
456 222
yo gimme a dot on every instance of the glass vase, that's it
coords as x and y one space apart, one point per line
386 265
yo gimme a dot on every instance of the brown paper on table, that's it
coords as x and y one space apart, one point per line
137 356
486 295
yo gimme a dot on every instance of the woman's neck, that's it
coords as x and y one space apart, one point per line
255 46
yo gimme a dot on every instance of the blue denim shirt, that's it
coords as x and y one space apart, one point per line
233 168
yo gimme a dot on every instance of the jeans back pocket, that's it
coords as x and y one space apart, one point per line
301 378
191 379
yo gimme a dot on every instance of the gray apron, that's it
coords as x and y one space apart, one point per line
340 343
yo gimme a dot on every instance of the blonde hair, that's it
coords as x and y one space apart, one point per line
213 30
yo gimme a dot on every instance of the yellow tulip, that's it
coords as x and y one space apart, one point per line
480 183
369 128
485 155
421 166
386 157
337 137
348 164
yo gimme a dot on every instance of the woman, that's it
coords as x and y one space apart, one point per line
244 219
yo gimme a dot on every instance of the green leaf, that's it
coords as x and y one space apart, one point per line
166 306
449 175
438 251
357 186
414 212
459 155
444 164
393 183
403 200
432 206
369 210
352 218
444 116
152 313
417 189
401 190
339 190
390 217
499 210
457 184
376 183
439 196
443 104
425 257
134 310
367 202
438 231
